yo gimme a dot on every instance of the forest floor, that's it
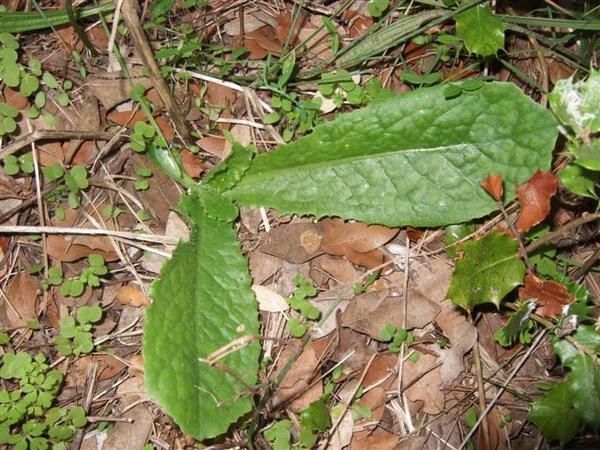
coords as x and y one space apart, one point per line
87 219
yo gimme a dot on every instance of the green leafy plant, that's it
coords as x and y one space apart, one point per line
396 337
298 326
14 165
75 336
415 159
90 276
481 31
27 418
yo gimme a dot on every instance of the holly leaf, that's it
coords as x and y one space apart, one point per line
555 415
202 303
584 386
481 31
419 157
489 269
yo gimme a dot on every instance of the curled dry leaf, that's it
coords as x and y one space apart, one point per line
551 296
462 336
215 145
534 199
494 185
356 241
269 300
131 295
19 305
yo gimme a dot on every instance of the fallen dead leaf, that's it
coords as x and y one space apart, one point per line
534 199
494 185
355 349
269 300
19 305
380 439
215 145
131 295
370 312
192 164
51 153
295 242
356 241
428 385
69 249
551 297
340 269
113 92
107 367
15 98
297 381
462 336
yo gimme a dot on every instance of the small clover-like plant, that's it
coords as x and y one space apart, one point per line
395 337
27 418
142 183
55 278
14 165
90 276
75 336
298 326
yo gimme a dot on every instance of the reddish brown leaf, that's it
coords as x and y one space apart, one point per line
357 23
192 164
549 295
494 185
215 145
355 241
534 198
132 296
15 98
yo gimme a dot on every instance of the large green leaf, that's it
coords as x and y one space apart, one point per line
584 384
481 30
201 303
555 416
415 159
490 269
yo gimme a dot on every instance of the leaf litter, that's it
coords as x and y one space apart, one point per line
362 286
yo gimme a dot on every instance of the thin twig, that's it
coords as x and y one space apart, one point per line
155 238
526 356
560 232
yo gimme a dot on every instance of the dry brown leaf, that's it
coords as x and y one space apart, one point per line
355 349
356 241
134 435
69 249
296 382
112 92
284 26
269 300
295 242
369 313
130 118
192 164
215 145
534 199
252 21
380 439
261 42
342 270
220 96
425 374
107 367
51 153
462 336
15 98
131 295
19 305
494 186
86 153
550 296
357 22
262 266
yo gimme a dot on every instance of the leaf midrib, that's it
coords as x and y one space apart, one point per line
356 158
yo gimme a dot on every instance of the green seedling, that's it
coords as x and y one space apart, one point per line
142 183
279 435
377 7
75 336
396 337
14 165
298 326
55 278
90 276
27 418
